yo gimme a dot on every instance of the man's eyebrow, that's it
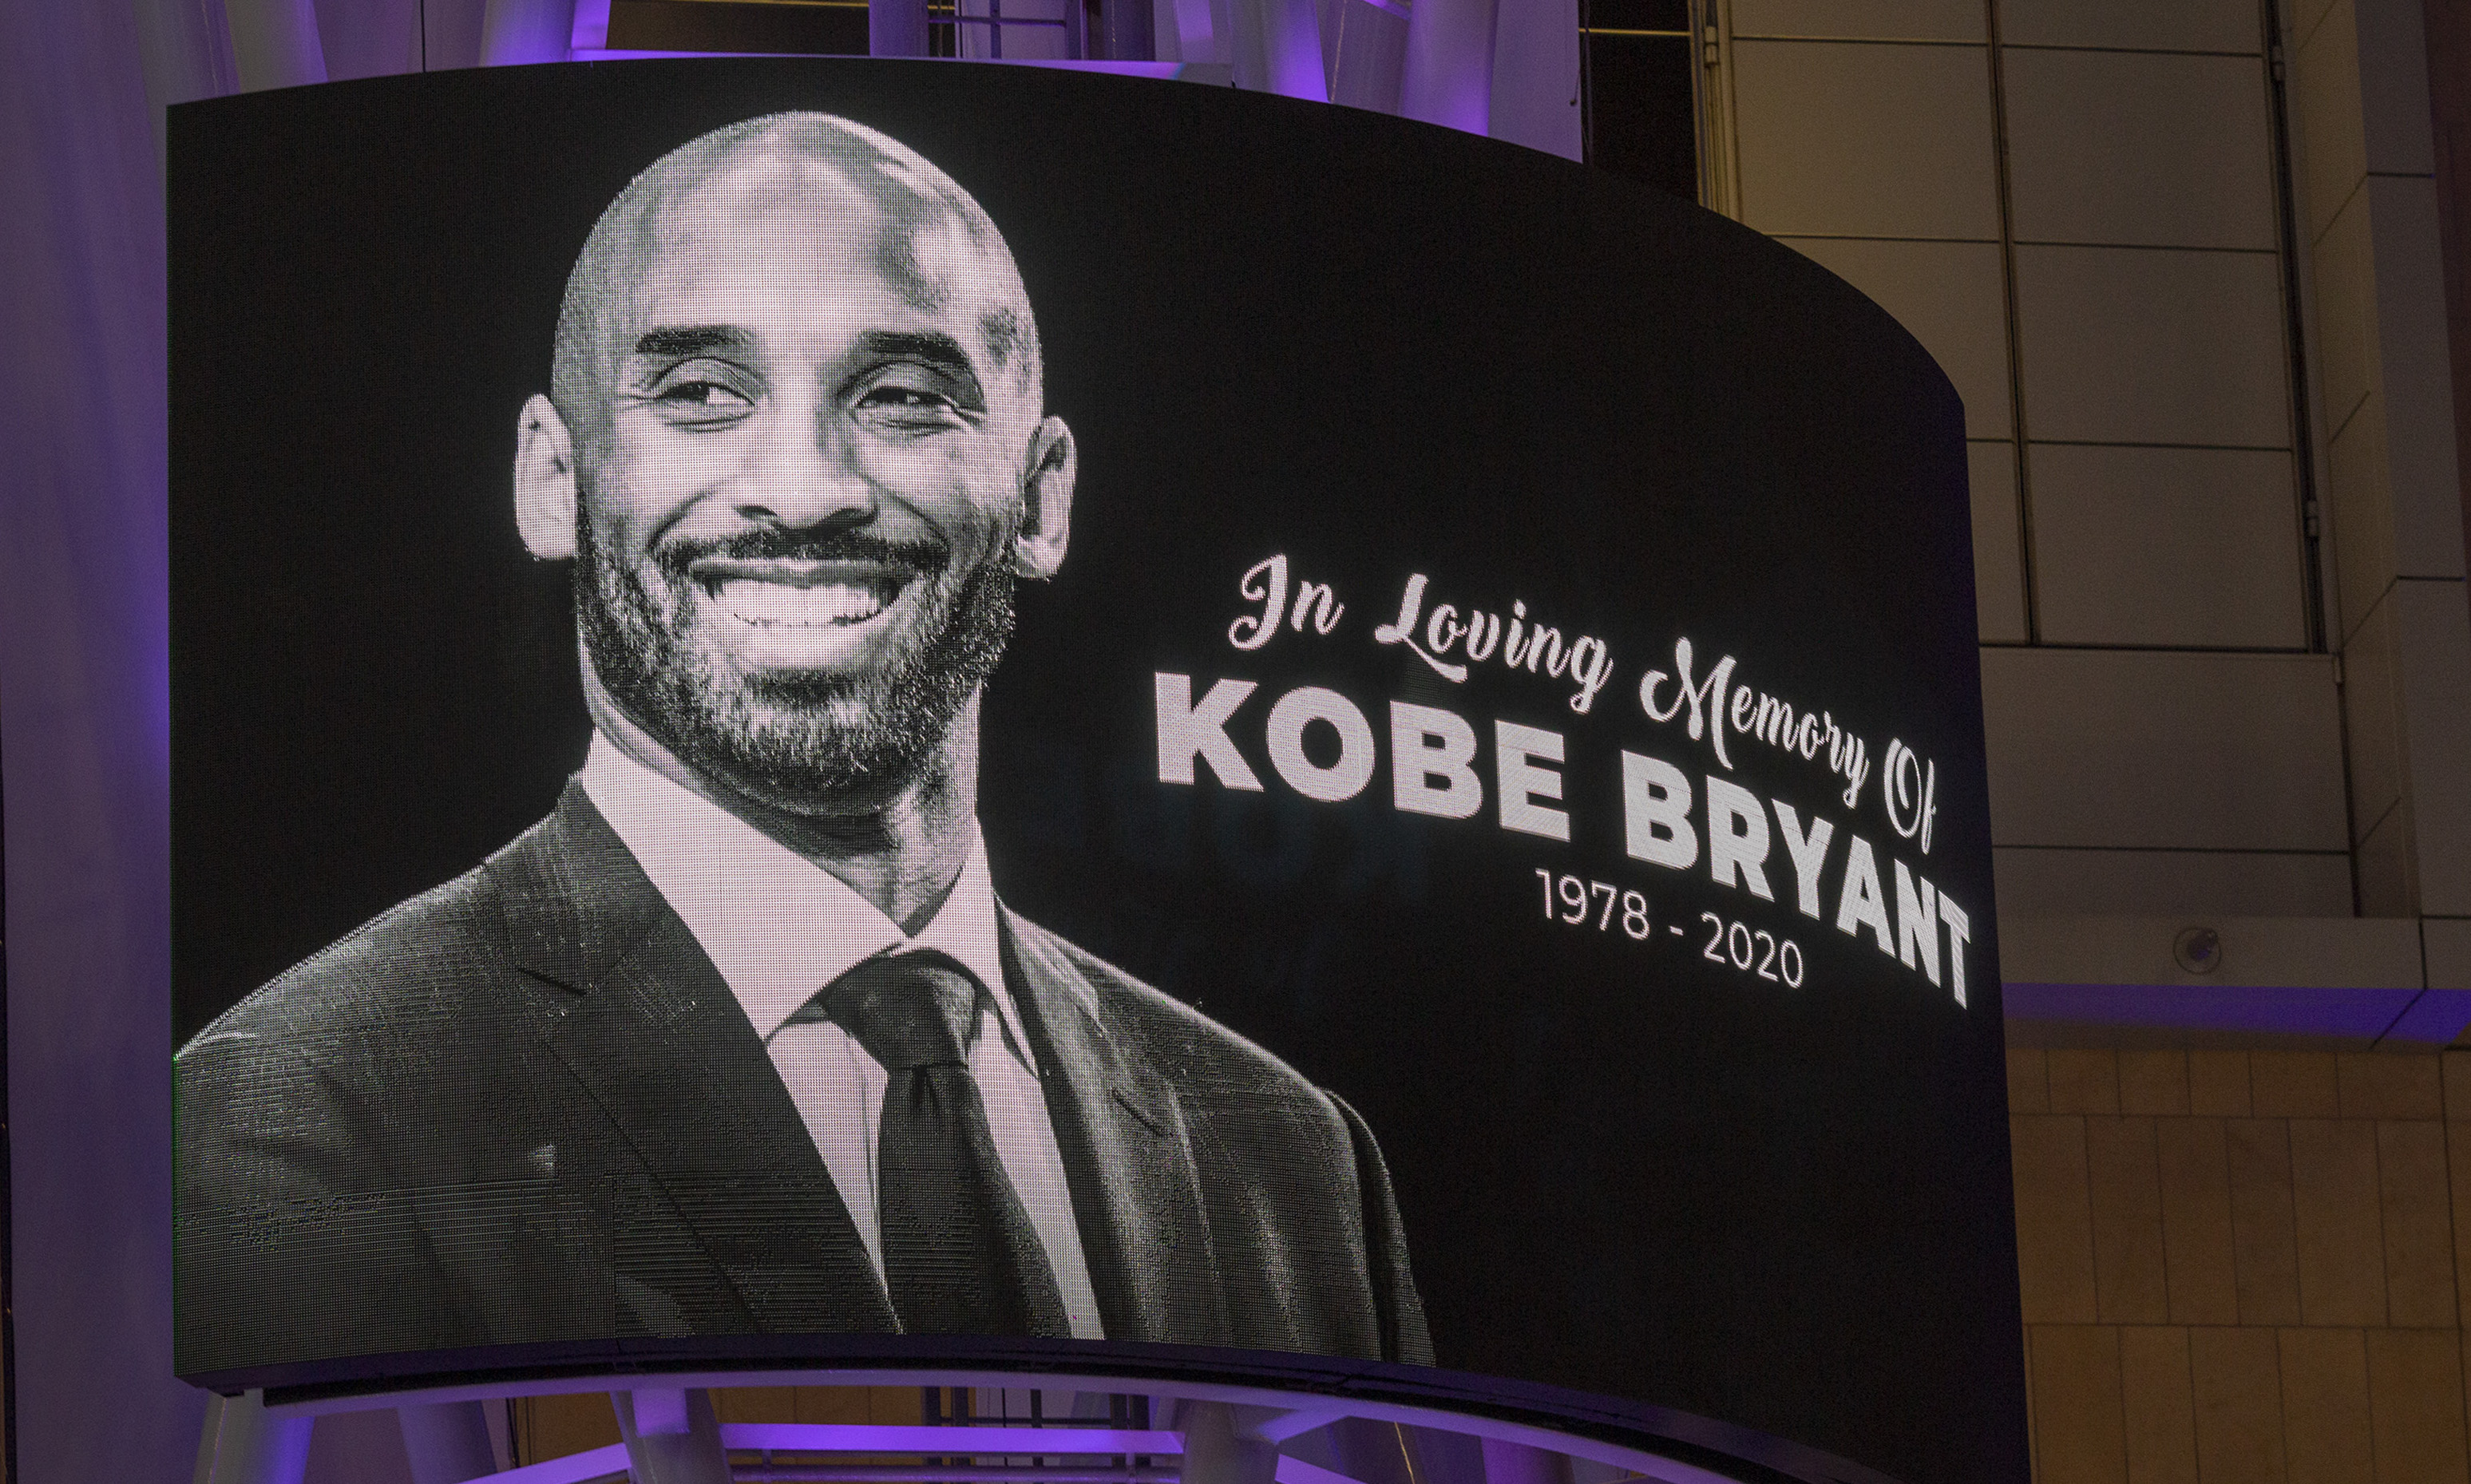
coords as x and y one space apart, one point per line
694 340
918 345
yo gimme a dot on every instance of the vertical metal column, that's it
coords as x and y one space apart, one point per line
672 1437
242 1444
274 43
1448 74
895 27
514 32
1277 48
1219 1449
1126 30
446 1442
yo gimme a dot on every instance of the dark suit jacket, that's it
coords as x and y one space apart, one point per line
525 1107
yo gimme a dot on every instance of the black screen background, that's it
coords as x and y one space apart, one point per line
1378 348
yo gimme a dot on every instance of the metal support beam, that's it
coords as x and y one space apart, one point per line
514 32
243 1443
895 27
1277 48
274 43
1448 78
672 1437
446 1442
1220 1447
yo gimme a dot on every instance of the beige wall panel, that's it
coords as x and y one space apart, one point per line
2415 378
2085 1080
2326 1406
2182 26
2262 1242
2295 1084
2186 548
2218 1084
2118 749
2433 622
2129 1270
2456 1064
2372 714
2237 1377
2385 1085
2029 1080
2196 1178
1865 140
2078 1432
2151 345
2332 143
2418 1226
2458 1167
2137 883
2323 953
2362 516
755 1404
2158 1406
2393 88
2415 1405
2388 887
2139 149
1998 543
2343 267
2153 1083
1948 295
2340 1234
1866 20
2054 1219
2446 951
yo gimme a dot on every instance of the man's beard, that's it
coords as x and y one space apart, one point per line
803 743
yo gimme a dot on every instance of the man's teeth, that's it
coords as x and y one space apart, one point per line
786 603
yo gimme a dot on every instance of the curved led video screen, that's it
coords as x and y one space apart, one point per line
908 713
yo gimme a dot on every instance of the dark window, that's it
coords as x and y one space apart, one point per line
1640 120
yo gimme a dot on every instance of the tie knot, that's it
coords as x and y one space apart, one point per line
907 1011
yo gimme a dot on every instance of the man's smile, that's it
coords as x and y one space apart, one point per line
787 593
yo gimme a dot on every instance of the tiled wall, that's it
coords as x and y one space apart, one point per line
2244 1265
2077 207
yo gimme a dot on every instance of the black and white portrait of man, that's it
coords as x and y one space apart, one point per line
741 1039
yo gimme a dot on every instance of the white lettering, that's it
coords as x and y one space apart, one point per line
1410 603
1265 582
1656 812
1427 744
1343 779
1917 922
1185 731
1863 904
1515 751
1958 928
1737 837
1808 852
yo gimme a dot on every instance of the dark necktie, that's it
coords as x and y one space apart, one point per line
960 1255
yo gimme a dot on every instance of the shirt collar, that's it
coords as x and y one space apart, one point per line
776 924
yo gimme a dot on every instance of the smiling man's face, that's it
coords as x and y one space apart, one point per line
809 462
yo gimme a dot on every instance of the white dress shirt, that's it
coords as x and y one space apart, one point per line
780 928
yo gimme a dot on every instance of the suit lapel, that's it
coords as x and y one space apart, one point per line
1135 1196
703 1125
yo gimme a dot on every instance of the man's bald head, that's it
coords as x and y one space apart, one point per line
933 246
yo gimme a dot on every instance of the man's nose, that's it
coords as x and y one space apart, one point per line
806 474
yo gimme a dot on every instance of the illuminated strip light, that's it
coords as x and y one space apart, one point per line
1619 31
945 1441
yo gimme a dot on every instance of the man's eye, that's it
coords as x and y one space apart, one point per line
906 399
703 396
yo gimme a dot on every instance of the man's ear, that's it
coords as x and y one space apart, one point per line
1047 502
544 490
